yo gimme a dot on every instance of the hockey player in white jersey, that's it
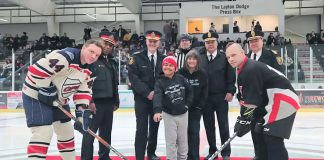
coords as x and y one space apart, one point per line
61 74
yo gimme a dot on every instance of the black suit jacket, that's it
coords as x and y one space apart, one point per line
270 58
140 73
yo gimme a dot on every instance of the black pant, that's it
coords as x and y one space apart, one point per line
274 148
218 104
174 38
102 120
193 134
258 141
144 118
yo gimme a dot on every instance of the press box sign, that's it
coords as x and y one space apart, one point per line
230 8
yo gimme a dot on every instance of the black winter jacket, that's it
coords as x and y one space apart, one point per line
199 84
173 96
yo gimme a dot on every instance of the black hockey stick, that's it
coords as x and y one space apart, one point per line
222 147
102 141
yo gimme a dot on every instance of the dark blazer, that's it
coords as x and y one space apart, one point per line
140 73
270 58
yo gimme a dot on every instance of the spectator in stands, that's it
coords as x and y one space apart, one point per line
174 31
44 41
311 38
236 28
114 30
6 68
270 40
8 42
134 39
239 41
257 27
54 40
87 33
121 33
105 29
65 40
167 31
19 63
24 40
212 27
16 42
126 40
142 40
279 39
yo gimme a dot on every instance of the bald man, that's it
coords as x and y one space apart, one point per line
263 89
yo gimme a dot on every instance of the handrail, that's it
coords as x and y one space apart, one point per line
25 65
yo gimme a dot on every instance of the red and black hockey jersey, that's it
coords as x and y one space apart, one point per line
268 89
63 69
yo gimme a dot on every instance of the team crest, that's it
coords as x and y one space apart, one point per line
131 60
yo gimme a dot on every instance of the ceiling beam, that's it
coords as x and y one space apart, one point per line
42 7
134 5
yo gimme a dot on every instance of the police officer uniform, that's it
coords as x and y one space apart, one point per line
266 56
142 72
221 80
273 60
106 99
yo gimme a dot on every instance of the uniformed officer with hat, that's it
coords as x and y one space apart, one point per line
143 69
258 53
105 99
221 88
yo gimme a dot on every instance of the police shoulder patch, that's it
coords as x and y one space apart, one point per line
131 60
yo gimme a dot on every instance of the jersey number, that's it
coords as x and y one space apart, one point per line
53 63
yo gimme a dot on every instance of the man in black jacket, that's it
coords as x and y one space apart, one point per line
105 100
143 69
221 88
258 53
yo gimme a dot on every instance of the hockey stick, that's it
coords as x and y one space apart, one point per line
222 147
102 141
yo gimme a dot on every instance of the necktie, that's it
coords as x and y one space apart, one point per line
210 57
254 57
152 63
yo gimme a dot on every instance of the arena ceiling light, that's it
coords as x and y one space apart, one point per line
3 20
90 16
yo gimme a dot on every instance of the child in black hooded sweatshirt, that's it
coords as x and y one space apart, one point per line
172 99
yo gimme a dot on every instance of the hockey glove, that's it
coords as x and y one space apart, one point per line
83 114
47 95
242 126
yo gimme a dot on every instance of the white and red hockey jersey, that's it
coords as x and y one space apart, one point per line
63 69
